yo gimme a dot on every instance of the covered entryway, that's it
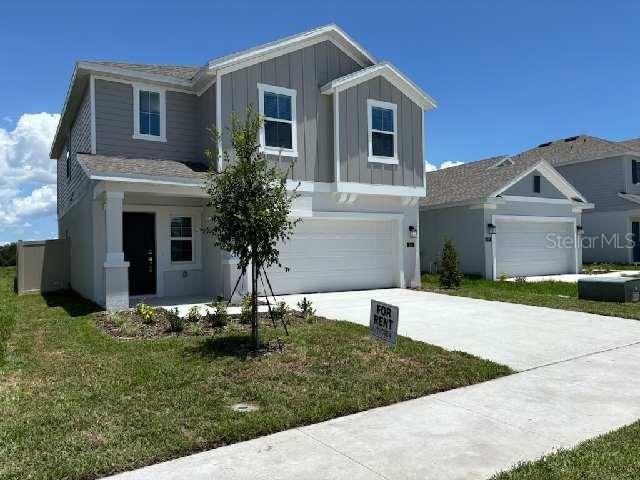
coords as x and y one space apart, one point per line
139 246
336 254
527 246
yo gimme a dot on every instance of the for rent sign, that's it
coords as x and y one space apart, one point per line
383 323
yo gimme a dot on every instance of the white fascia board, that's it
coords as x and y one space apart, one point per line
64 110
269 50
123 72
152 180
550 174
390 73
359 188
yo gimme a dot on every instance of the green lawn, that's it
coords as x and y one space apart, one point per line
77 403
545 294
614 456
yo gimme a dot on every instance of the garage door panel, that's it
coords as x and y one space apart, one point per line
526 248
326 255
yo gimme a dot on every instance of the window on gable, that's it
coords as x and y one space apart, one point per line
536 183
149 114
181 239
278 110
382 132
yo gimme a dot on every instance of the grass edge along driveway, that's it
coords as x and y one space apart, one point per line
558 295
615 455
78 403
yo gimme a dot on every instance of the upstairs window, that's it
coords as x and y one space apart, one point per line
635 171
181 239
68 162
149 113
536 183
278 110
383 132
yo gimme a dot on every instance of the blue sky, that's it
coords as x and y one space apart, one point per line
506 75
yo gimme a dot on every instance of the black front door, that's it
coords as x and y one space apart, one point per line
635 229
139 245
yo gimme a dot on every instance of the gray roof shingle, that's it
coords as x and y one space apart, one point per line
633 143
174 71
141 167
580 148
472 181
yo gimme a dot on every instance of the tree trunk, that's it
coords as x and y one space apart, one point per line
255 334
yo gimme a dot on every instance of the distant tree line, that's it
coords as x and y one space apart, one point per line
8 255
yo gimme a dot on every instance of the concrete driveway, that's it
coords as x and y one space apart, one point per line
520 336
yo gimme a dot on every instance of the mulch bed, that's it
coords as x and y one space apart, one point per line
128 325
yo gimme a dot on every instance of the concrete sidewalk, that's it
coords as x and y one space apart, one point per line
468 433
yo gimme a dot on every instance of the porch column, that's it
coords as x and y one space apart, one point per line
116 270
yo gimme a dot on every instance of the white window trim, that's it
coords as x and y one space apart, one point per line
137 87
285 152
191 239
389 106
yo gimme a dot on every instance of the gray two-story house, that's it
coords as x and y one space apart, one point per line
608 174
131 167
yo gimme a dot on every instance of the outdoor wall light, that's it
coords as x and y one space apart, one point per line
491 228
579 229
413 231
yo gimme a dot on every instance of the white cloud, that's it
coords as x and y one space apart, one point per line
27 175
449 163
430 167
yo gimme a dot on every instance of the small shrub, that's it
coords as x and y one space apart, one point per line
521 279
450 276
306 308
176 322
220 317
281 310
127 328
245 309
146 312
194 315
502 277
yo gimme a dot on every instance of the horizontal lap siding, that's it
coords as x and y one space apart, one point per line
354 136
305 70
78 141
114 125
524 188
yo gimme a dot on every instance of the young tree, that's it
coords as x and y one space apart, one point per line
250 203
450 276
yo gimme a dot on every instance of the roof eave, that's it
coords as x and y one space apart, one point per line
263 52
389 72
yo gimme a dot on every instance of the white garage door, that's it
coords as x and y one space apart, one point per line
332 255
526 248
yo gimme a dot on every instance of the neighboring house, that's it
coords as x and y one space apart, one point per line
130 158
505 215
608 174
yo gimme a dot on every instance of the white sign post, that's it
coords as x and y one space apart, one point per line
383 322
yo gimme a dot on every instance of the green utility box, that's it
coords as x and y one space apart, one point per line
612 289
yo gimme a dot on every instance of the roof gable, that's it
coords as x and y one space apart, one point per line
391 74
276 48
478 181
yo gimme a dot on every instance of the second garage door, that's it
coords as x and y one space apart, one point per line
333 255
528 248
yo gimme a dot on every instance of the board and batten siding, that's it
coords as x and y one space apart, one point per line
78 141
354 136
206 118
114 125
306 71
